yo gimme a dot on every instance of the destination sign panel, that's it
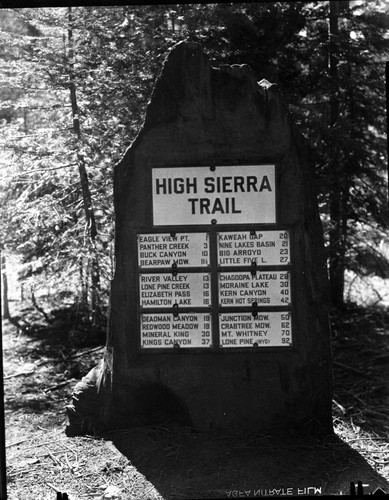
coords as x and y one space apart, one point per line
241 194
167 290
184 331
267 329
164 250
270 288
241 248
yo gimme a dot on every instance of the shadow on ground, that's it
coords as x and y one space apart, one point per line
184 464
361 367
45 355
63 327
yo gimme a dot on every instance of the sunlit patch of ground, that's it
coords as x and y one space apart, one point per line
43 461
373 447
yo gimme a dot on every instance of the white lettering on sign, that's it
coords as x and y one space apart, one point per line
264 288
167 290
265 248
266 329
164 330
241 194
164 250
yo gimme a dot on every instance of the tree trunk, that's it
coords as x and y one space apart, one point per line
336 236
87 198
4 290
3 468
83 283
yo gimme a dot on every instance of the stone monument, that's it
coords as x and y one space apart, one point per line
219 303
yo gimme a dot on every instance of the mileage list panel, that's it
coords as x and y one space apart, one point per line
242 248
167 290
266 285
215 289
164 250
267 329
165 330
265 288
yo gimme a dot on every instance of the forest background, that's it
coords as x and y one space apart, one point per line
74 85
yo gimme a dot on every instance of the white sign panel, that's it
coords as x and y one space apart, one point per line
184 331
164 250
265 288
267 329
167 290
241 248
243 194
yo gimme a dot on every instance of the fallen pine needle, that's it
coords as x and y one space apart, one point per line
53 487
16 443
350 368
19 374
38 445
54 458
58 386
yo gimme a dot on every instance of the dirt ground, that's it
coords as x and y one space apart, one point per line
42 363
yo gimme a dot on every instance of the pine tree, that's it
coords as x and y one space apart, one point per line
49 130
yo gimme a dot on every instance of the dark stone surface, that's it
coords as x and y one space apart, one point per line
199 115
